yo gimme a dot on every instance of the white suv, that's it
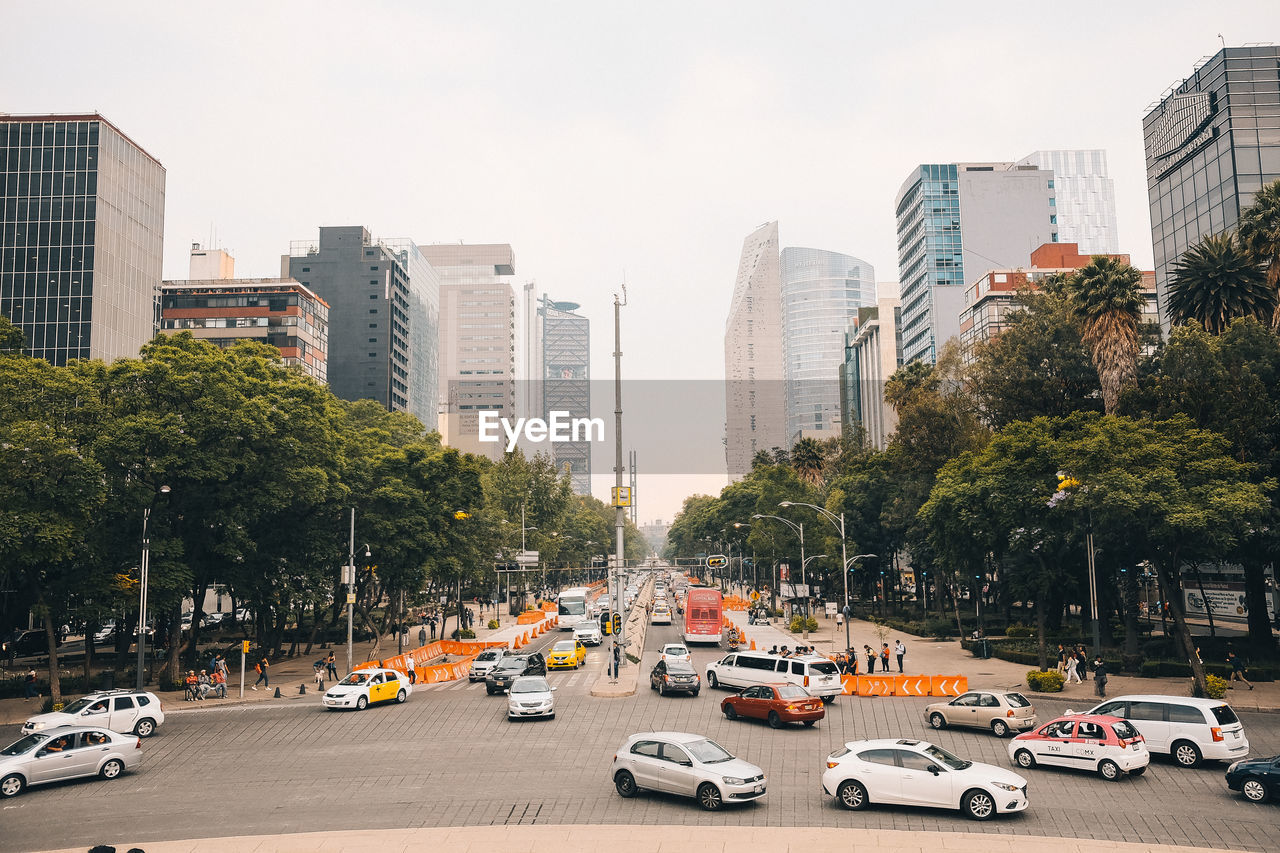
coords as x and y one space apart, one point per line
1191 730
119 710
819 675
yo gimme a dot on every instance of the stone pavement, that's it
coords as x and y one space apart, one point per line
646 839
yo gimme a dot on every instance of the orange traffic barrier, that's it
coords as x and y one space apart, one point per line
529 617
948 685
849 683
875 685
911 685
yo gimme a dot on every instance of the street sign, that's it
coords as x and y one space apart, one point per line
527 558
244 647
717 561
755 596
621 496
351 598
784 572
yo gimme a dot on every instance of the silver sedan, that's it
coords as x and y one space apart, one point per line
66 752
687 764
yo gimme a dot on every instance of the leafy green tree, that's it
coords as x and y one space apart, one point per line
1259 229
1105 298
12 340
1216 281
807 459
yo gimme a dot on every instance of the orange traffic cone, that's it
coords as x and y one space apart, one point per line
753 645
515 644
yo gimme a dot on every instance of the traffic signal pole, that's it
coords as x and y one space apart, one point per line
620 512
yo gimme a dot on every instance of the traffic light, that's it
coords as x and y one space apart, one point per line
606 624
617 623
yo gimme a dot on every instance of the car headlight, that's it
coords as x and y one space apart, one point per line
35 727
1231 768
1004 786
733 780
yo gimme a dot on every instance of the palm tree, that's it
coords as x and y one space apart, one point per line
807 459
1106 300
1216 281
1259 230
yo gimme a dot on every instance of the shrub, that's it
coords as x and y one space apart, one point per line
797 624
1149 669
493 624
1215 687
464 634
1019 631
811 624
1045 682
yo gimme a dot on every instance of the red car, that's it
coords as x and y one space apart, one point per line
777 703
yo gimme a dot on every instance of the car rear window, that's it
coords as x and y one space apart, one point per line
1124 730
1016 700
792 692
825 667
1225 715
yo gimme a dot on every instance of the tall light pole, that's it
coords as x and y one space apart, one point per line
848 608
838 522
620 511
799 528
143 569
349 581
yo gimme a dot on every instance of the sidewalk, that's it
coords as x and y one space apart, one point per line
286 673
645 839
927 656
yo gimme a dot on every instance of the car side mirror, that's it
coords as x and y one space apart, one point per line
554 689
684 762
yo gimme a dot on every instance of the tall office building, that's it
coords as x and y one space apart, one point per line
477 339
384 305
81 236
563 356
872 353
821 290
1212 141
755 416
1086 198
954 217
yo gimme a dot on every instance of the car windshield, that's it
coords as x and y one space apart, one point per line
563 646
1225 715
572 607
790 691
77 706
708 752
531 685
952 761
24 745
487 656
512 663
1016 700
1124 729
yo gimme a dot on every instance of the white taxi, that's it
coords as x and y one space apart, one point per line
366 686
661 614
1109 746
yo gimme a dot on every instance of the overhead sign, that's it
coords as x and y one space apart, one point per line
717 561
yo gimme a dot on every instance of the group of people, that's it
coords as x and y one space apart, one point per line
784 652
211 681
899 651
1074 665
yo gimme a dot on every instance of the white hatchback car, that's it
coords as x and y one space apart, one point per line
676 651
686 764
118 710
363 687
530 696
917 773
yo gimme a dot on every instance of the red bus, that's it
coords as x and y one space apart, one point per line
703 616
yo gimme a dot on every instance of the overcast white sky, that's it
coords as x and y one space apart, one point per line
603 138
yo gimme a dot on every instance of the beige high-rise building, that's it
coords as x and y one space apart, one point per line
477 339
755 416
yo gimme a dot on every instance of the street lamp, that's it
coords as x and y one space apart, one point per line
838 522
349 580
1065 482
799 528
143 570
848 610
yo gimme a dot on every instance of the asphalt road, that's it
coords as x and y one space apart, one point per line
450 757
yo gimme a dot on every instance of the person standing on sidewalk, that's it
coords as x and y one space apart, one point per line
884 657
422 636
319 674
331 666
871 659
261 668
900 649
617 659
1100 677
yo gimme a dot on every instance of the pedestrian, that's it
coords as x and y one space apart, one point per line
1082 662
29 687
261 668
206 684
431 621
220 665
900 649
617 659
1100 677
319 675
1237 669
1073 668
871 659
839 620
422 636
884 657
1062 659
331 666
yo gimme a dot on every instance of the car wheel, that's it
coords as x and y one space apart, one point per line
1254 790
362 703
999 728
695 692
937 720
1187 754
979 805
12 785
551 716
1109 770
730 712
652 686
1137 771
709 797
625 783
1024 758
809 723
488 690
662 689
775 722
852 795
401 696
712 681
146 727
112 769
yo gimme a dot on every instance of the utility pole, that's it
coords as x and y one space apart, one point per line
349 579
620 512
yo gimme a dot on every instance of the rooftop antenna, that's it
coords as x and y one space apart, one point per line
1224 41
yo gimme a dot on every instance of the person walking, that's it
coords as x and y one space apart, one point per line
29 687
884 657
900 649
1062 659
431 622
1082 663
331 666
1073 668
1237 669
261 668
422 636
1100 677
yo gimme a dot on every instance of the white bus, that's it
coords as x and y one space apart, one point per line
571 605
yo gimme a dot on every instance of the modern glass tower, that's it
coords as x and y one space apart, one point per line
821 290
564 344
1212 141
81 236
1086 198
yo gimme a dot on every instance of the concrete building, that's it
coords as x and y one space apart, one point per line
1212 141
81 236
477 339
210 264
755 416
384 316
954 217
275 311
993 296
1086 198
821 290
563 347
872 353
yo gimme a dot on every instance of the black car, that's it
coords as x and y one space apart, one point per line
672 676
512 667
1257 778
23 644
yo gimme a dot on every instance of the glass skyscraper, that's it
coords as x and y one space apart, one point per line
821 290
81 236
1086 199
564 343
1212 141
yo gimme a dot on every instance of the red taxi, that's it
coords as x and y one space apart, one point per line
776 703
1109 746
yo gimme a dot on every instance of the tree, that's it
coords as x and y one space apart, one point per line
1216 281
807 460
1259 229
12 340
1106 301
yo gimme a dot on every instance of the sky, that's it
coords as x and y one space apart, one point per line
606 142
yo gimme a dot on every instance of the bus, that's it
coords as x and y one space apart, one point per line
703 616
571 605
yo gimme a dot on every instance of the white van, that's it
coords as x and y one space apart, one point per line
818 675
1191 730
